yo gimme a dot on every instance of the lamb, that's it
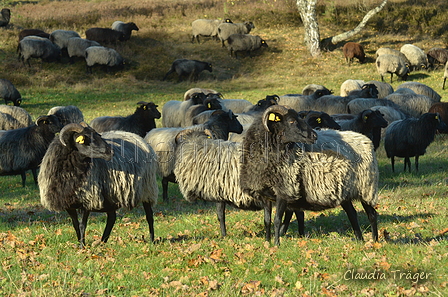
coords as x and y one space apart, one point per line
14 117
104 35
76 47
227 29
390 51
125 28
246 43
9 93
410 138
412 104
140 122
437 56
188 68
61 37
421 89
416 56
207 28
191 91
33 32
100 55
173 111
353 50
84 171
5 17
67 114
23 149
393 65
350 85
37 47
311 88
210 103
383 88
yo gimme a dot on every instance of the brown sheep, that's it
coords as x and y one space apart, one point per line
33 32
353 50
442 109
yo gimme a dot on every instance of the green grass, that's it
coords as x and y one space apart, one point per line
39 255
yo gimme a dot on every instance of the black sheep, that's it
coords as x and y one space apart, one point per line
437 56
33 32
104 35
410 137
442 109
5 16
319 119
188 68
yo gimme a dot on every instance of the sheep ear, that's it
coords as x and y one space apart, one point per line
42 120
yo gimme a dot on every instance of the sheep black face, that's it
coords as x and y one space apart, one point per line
198 98
151 108
317 119
51 121
374 118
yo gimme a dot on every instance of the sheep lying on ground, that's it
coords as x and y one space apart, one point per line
88 172
206 28
14 117
9 92
37 47
188 68
353 50
392 64
67 114
237 43
125 28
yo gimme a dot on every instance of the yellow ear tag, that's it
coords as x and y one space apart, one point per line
437 117
318 120
365 118
144 107
209 105
80 139
272 117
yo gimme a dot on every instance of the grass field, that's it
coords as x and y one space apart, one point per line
39 255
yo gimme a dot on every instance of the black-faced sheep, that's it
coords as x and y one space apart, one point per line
416 57
188 68
421 89
88 172
140 122
67 114
23 149
227 29
410 138
173 111
300 102
246 43
9 93
383 88
190 92
125 28
14 117
391 64
37 47
104 35
100 55
76 47
353 50
210 104
5 17
319 119
350 85
61 37
311 88
366 91
437 56
206 28
33 32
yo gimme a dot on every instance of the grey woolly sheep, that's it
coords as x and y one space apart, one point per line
383 88
191 91
302 102
410 137
173 111
100 55
412 104
125 28
188 68
5 17
339 168
140 122
67 114
37 47
391 64
14 117
353 50
227 29
9 93
350 85
76 47
357 105
237 43
206 28
23 149
437 56
236 105
210 103
33 32
311 88
445 75
61 37
421 89
390 51
104 35
88 172
416 56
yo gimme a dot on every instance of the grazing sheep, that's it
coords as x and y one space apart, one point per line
416 57
5 17
14 117
33 32
383 88
350 85
410 138
412 104
390 51
76 47
88 172
125 28
9 93
442 109
104 35
140 122
353 50
100 55
311 88
67 114
357 105
319 119
206 28
302 102
173 111
437 56
188 68
227 29
246 43
37 47
393 65
61 37
191 91
23 149
421 89
210 104
445 75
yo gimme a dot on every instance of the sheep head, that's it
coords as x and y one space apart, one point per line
149 107
51 122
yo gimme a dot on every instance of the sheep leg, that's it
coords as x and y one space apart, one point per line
34 171
372 215
111 217
416 164
79 228
407 163
220 211
300 215
165 189
267 219
353 218
443 85
392 162
149 219
281 208
23 175
286 220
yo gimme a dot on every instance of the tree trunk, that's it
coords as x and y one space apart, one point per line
307 10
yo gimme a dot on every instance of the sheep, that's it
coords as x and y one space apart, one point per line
210 103
421 89
67 114
33 32
338 168
207 28
412 104
9 93
125 28
220 124
301 102
5 17
190 92
410 137
61 37
357 105
393 65
23 149
383 88
416 56
353 50
390 51
140 122
104 35
437 56
442 109
247 117
244 43
227 29
14 117
445 75
188 68
236 105
319 119
100 55
76 47
84 171
37 47
350 85
311 88
173 111
366 91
